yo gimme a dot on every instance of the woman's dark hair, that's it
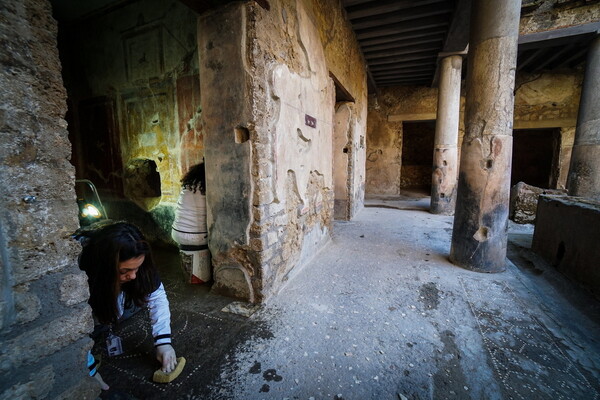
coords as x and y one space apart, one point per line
103 250
195 179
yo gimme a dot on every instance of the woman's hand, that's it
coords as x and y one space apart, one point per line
166 355
103 384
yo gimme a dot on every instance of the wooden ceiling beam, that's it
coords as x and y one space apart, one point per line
392 67
574 59
383 7
428 76
400 59
431 47
386 74
559 53
402 16
530 57
436 21
406 36
559 36
422 82
403 43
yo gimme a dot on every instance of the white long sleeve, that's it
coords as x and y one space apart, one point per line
160 316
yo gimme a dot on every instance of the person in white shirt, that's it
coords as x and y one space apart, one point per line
122 276
189 227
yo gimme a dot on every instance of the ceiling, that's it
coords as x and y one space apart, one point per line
402 39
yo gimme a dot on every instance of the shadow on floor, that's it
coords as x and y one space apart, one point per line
380 313
202 333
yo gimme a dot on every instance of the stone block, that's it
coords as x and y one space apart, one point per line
524 200
266 255
86 389
257 244
263 191
257 230
231 281
265 170
258 213
276 208
27 304
38 386
46 339
272 238
281 220
566 236
74 289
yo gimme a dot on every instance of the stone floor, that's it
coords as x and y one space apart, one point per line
379 313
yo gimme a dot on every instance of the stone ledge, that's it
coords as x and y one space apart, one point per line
524 199
566 235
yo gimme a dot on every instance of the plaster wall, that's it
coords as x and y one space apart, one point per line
549 100
387 111
44 315
285 101
323 43
140 61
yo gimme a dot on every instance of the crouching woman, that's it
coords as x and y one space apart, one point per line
123 278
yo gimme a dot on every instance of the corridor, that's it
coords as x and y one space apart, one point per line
379 313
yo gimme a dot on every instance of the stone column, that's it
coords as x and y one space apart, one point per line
584 172
445 152
480 224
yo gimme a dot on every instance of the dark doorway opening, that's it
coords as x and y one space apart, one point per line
534 157
417 155
343 153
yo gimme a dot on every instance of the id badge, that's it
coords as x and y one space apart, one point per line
113 345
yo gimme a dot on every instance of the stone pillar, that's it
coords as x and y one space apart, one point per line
479 235
584 172
445 152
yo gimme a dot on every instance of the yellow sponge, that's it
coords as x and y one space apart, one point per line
163 377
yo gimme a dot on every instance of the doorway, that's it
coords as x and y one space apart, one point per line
535 157
344 153
417 155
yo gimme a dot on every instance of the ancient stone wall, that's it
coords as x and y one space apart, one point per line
298 44
387 112
226 120
549 100
281 77
44 315
539 16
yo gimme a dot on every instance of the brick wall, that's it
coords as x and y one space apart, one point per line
44 316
